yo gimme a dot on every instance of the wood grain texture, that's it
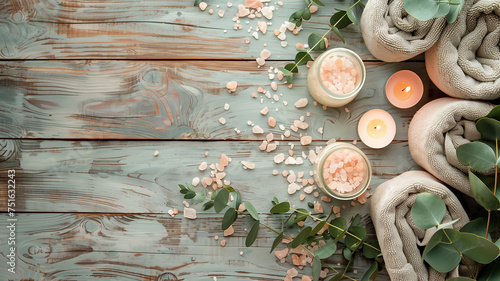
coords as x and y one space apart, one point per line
125 177
49 29
146 247
173 100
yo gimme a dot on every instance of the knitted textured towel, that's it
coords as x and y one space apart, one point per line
392 35
398 235
435 132
465 62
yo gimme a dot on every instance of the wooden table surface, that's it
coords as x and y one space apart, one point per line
89 90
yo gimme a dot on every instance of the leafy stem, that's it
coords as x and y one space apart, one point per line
461 255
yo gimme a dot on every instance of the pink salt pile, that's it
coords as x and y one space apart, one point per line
344 171
338 74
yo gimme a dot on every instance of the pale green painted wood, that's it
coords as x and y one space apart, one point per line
125 177
145 247
48 29
172 100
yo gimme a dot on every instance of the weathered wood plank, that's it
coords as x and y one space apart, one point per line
125 177
145 247
171 100
46 29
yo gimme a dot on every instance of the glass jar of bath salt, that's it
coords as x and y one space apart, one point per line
336 77
342 171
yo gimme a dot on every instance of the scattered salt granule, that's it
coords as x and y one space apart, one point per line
229 4
195 181
275 172
260 61
271 147
271 122
299 161
320 130
254 95
265 54
231 86
216 237
318 208
255 35
211 11
301 103
326 199
282 127
305 140
248 165
264 111
312 156
274 86
293 187
185 203
267 12
281 254
223 242
308 189
190 213
287 133
229 231
279 158
257 130
253 4
362 198
313 9
306 278
203 166
344 171
262 26
222 120
290 161
338 74
292 272
221 13
156 153
263 145
226 106
242 11
203 6
280 75
302 197
282 36
284 44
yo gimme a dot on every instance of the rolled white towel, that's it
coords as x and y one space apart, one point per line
435 132
397 234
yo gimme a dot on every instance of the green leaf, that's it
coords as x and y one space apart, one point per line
277 241
337 277
310 205
220 201
443 257
356 220
428 210
357 9
439 237
288 74
347 254
495 113
306 13
446 224
301 215
489 128
214 194
237 199
251 210
190 187
200 197
252 234
335 232
229 188
326 251
477 226
316 268
460 279
491 272
369 252
302 58
296 15
477 248
275 201
197 2
316 42
341 37
301 237
208 205
182 187
229 217
482 193
292 68
317 228
190 194
282 207
352 17
478 155
340 20
421 9
319 3
184 191
357 231
454 12
443 10
371 273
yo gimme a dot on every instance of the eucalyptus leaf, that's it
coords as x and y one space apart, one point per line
316 268
207 205
371 273
352 17
190 187
184 191
335 232
229 188
337 277
296 15
277 241
251 210
317 228
357 231
282 207
443 257
326 251
220 201
229 217
454 12
358 8
356 220
302 58
316 42
443 10
491 272
482 193
200 197
478 155
439 236
446 224
237 199
369 252
340 20
190 194
292 67
477 226
252 234
336 30
428 210
301 237
477 248
301 215
197 2
460 279
489 128
319 3
275 200
347 254
306 13
422 10
495 113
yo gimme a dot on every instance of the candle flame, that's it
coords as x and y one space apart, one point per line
407 89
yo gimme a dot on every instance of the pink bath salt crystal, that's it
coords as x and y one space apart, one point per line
338 74
343 171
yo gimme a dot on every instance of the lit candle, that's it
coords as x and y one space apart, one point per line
376 128
404 89
336 77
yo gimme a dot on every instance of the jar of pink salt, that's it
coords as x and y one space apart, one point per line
342 171
336 77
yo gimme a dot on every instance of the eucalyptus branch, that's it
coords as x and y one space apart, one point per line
461 255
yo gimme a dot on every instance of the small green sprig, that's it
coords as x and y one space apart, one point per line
336 232
341 19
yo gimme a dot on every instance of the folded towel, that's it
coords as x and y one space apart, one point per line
392 35
465 62
398 235
435 132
